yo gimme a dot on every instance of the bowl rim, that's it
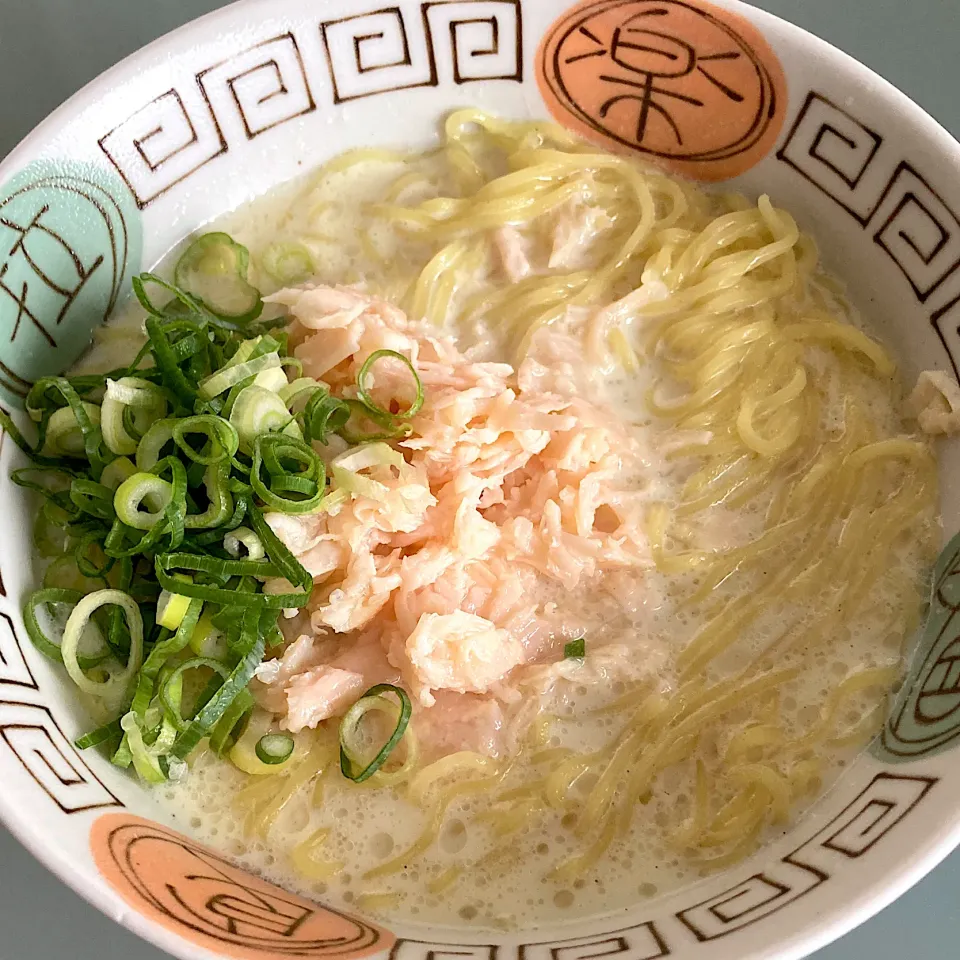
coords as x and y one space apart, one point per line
838 919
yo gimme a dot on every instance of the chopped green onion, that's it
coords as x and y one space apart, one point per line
222 441
171 609
165 563
353 431
323 415
257 411
161 653
279 455
245 538
65 436
288 263
182 299
168 364
142 400
205 639
252 645
575 649
232 374
115 472
214 269
169 695
346 469
352 765
102 734
224 734
301 389
368 401
281 557
145 761
274 748
216 486
92 498
117 684
153 442
274 379
35 632
147 484
138 489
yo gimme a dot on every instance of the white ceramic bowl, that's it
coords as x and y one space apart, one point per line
248 97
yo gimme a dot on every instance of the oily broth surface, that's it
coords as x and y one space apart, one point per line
502 891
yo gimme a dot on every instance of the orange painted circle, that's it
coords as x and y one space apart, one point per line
691 86
194 892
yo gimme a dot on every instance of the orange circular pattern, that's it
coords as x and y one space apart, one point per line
196 893
692 86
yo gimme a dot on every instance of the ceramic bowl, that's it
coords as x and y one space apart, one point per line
243 99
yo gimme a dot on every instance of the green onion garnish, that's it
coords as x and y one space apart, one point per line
214 270
575 649
352 765
274 748
370 403
288 262
155 478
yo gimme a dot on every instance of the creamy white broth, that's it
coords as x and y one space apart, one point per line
640 615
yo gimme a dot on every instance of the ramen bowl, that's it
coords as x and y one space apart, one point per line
249 97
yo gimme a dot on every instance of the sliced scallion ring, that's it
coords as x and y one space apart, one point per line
352 765
145 761
35 632
142 488
115 472
323 415
257 411
370 403
153 442
274 748
221 438
288 263
143 401
214 269
229 376
273 379
296 477
64 433
355 431
243 541
116 684
170 688
216 485
301 389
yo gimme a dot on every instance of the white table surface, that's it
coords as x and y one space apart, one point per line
50 48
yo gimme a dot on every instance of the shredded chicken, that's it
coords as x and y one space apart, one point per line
435 565
575 225
513 254
463 721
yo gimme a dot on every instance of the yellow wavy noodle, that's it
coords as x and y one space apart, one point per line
757 353
305 859
445 879
265 798
378 900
